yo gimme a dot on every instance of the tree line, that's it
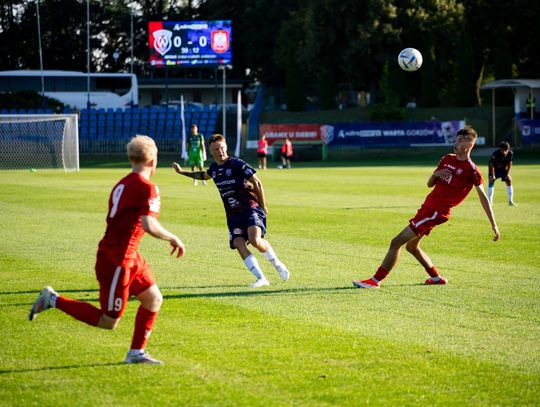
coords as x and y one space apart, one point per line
299 44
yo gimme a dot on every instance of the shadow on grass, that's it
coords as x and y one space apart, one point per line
94 290
375 207
48 368
251 293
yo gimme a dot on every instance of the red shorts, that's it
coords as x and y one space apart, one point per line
427 218
117 284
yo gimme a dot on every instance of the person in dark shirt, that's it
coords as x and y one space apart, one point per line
499 166
243 198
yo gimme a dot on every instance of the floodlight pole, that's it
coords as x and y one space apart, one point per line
88 54
40 55
131 45
223 107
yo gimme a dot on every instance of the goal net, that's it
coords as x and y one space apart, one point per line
30 141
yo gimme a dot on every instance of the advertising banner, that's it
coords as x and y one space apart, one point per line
189 43
414 134
296 132
529 130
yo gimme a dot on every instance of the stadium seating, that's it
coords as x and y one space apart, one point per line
160 123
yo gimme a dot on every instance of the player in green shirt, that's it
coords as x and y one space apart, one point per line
196 150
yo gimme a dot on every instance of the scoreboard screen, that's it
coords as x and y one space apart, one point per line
189 43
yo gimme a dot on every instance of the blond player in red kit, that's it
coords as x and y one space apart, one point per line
453 180
120 270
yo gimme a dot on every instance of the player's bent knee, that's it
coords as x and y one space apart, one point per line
151 298
106 322
258 243
396 242
153 304
239 243
157 301
411 248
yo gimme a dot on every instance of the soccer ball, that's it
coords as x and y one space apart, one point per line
410 59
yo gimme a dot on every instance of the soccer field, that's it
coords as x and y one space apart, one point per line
314 340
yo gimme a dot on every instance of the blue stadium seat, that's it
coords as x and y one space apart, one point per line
118 121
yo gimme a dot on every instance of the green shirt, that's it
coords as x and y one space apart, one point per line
195 143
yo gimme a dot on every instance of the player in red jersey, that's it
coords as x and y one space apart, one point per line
120 270
453 179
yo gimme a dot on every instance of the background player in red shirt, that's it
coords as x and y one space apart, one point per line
453 179
121 271
286 152
262 151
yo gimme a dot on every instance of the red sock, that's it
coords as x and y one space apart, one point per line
83 311
144 321
380 274
433 272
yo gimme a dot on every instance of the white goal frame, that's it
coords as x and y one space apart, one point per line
60 150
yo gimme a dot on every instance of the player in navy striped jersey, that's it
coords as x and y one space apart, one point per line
243 198
499 166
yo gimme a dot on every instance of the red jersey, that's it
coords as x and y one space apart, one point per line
450 192
132 197
262 146
286 148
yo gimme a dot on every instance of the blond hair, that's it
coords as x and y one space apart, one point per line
468 133
141 149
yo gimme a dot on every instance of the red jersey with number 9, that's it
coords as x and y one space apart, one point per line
132 197
451 191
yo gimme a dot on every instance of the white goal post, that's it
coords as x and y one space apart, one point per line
31 141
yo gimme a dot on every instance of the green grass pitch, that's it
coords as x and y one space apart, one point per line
312 341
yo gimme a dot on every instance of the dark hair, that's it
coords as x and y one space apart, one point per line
505 145
214 138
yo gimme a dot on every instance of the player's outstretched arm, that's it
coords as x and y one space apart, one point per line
259 191
491 170
152 226
191 174
484 200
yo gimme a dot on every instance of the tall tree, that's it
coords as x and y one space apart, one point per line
287 56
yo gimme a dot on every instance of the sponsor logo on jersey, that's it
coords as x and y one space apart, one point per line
459 171
226 182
